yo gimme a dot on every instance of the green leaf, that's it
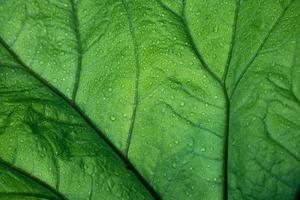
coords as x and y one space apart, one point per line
200 99
48 150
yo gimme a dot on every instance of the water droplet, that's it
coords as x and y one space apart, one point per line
216 29
112 118
233 142
174 165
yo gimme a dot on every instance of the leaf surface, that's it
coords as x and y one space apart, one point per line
201 97
47 150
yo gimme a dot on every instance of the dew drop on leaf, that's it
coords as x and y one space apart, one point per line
174 165
112 118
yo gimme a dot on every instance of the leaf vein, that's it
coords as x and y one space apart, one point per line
137 66
256 54
33 178
79 48
233 37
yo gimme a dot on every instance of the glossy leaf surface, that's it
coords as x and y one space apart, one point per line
202 98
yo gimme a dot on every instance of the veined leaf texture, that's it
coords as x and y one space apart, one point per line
150 99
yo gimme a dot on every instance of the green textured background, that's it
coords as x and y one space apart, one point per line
148 99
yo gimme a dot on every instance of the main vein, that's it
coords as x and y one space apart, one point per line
216 78
34 179
13 195
137 66
222 81
78 48
227 100
74 106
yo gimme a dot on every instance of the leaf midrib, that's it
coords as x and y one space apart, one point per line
73 104
222 82
23 194
34 179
